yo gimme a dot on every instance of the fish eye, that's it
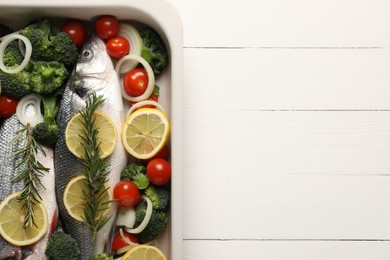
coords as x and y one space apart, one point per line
86 54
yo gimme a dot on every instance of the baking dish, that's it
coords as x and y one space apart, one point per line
163 17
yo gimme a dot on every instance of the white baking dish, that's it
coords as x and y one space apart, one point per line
160 15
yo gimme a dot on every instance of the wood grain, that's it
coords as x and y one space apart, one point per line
250 205
227 143
286 250
313 79
285 23
286 129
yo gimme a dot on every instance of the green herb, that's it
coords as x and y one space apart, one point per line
31 173
94 169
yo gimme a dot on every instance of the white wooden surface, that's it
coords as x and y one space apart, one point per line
286 129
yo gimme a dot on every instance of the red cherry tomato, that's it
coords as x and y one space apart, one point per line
118 241
107 26
117 47
158 171
7 106
136 82
77 32
126 193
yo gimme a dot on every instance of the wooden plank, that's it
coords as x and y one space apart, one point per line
255 79
286 143
255 206
286 250
286 175
285 23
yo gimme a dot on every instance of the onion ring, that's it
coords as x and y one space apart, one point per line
149 71
27 55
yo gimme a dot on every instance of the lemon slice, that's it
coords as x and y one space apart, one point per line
74 202
145 132
107 135
144 252
11 222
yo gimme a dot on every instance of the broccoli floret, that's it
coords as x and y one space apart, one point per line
62 246
49 47
102 257
159 195
47 132
12 56
153 50
157 223
47 77
15 85
136 172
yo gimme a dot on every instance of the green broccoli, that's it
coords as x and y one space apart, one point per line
157 223
159 195
62 246
16 85
12 56
136 172
49 47
47 77
153 50
47 132
102 257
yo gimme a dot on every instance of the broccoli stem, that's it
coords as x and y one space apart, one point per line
50 108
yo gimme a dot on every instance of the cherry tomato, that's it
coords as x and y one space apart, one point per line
127 193
136 82
7 106
158 171
117 47
107 26
118 241
77 32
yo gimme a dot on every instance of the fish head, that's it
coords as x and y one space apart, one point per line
94 67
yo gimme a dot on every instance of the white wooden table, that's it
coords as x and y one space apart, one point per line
286 129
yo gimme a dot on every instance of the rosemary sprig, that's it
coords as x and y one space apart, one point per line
31 173
94 168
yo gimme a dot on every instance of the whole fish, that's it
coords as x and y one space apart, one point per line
93 73
8 131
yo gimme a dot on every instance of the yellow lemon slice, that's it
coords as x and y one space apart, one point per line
74 202
107 136
145 132
11 222
144 252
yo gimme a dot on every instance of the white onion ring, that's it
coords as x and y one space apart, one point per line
149 71
132 36
27 55
21 109
145 221
143 103
128 241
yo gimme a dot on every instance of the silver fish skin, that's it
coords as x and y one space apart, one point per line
94 73
8 132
